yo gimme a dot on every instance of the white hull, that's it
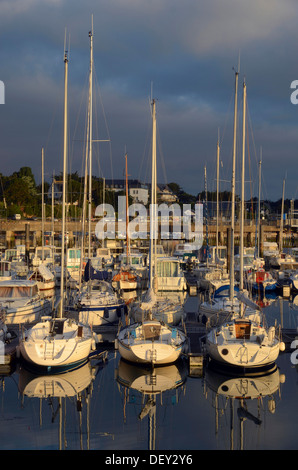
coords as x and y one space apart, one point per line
135 345
241 356
100 316
149 354
27 313
20 302
100 305
243 344
42 349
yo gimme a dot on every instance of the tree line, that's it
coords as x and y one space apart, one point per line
19 193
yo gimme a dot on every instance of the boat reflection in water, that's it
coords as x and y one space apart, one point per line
74 387
254 397
142 386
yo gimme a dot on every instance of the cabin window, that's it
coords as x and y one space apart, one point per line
16 292
167 269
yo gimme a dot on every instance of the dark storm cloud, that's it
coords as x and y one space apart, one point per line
187 50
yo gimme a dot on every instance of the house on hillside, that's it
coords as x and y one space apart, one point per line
137 190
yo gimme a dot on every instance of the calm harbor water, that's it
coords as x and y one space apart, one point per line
113 406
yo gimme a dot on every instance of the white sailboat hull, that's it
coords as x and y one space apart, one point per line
100 306
27 313
43 349
240 355
99 316
148 354
140 348
245 344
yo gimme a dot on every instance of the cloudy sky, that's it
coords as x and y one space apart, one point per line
185 55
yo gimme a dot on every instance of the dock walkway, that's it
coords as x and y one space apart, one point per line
196 332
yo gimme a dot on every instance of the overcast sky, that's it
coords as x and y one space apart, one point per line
186 52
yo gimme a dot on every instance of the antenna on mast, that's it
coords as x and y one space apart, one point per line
239 61
91 32
66 50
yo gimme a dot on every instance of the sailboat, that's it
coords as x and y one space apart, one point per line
221 306
96 302
137 263
243 342
58 344
150 340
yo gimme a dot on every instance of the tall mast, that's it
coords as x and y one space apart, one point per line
64 184
232 264
282 218
53 234
127 214
153 199
42 203
84 203
206 216
217 196
242 191
90 137
259 208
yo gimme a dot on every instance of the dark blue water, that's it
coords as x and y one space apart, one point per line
115 406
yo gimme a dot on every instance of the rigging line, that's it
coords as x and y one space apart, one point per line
226 118
104 116
257 159
83 97
250 176
251 127
51 127
144 151
161 156
252 134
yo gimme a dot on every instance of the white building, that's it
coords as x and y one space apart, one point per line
137 190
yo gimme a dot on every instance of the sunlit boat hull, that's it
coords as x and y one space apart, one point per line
66 349
135 345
